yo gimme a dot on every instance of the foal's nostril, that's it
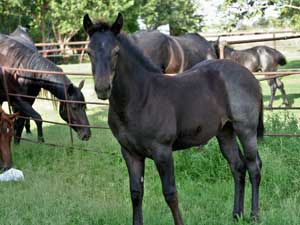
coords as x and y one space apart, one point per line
103 88
107 88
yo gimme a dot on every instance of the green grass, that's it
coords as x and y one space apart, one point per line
71 187
292 64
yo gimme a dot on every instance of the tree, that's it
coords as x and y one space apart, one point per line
66 16
11 12
289 12
236 11
179 14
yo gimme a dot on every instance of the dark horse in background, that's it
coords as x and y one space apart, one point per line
6 133
17 54
173 54
152 115
256 59
20 34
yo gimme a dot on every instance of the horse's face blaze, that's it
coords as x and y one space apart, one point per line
77 112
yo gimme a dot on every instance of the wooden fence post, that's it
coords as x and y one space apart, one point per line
222 45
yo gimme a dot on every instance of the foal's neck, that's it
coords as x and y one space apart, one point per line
133 73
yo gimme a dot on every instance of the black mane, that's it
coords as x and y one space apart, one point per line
19 55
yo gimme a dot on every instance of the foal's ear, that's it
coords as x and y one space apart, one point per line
81 84
13 116
87 23
118 24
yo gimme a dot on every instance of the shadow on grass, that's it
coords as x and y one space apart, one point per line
293 64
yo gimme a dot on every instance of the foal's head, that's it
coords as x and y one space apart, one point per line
6 133
103 50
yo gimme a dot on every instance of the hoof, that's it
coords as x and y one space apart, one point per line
286 104
28 132
254 217
41 140
237 216
17 141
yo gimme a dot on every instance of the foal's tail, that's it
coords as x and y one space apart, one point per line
260 126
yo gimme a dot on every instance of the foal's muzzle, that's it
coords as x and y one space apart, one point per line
103 91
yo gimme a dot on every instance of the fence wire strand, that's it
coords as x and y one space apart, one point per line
269 75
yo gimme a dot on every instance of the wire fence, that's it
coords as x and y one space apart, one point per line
17 71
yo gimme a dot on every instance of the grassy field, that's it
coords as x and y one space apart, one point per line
71 187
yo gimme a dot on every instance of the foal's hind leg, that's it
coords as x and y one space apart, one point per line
230 150
280 85
248 138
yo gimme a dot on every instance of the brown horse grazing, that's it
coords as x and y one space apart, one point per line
6 133
152 115
256 59
173 54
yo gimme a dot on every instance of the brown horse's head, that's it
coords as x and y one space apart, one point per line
6 133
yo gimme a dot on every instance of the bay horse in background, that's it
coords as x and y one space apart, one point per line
259 59
6 133
173 54
151 115
16 54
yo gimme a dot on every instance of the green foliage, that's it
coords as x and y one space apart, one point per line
237 10
179 14
66 16
59 20
288 10
289 16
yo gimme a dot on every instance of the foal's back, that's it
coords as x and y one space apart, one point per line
208 96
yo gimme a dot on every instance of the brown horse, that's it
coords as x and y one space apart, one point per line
6 133
173 54
152 115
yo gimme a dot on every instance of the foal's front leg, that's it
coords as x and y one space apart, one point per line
164 162
136 168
